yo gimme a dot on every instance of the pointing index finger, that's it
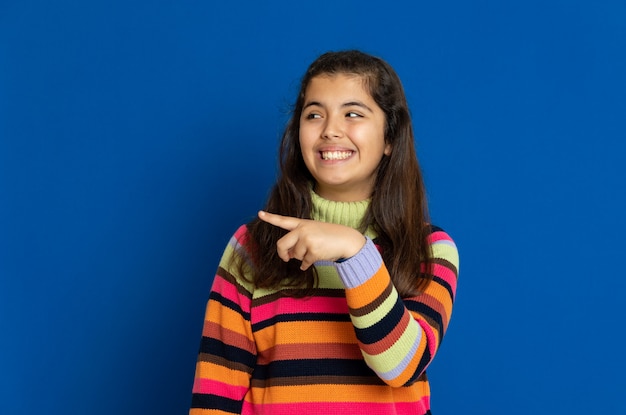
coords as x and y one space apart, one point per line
285 222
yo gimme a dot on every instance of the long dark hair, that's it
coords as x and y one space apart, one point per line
397 211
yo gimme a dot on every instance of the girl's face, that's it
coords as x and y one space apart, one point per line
342 137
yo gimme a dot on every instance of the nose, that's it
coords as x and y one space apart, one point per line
332 128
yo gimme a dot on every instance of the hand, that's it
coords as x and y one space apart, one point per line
310 240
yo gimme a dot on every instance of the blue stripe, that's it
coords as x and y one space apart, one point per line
217 348
429 313
421 366
216 402
229 304
344 368
299 317
382 328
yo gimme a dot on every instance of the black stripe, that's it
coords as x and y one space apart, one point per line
421 366
428 313
424 361
435 228
206 401
312 367
234 354
379 330
445 285
292 317
215 296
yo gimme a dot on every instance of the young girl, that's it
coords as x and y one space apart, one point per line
336 298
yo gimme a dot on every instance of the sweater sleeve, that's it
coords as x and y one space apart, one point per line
227 351
400 337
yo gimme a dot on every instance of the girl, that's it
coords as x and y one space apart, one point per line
336 298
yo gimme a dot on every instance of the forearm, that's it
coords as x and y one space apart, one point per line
398 337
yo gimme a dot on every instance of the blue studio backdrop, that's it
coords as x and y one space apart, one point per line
136 136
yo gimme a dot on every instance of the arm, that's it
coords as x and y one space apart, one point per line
400 337
227 352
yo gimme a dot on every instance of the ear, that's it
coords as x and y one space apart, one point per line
387 150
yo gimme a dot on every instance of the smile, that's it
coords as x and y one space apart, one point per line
335 155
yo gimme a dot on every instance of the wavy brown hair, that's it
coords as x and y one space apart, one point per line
397 211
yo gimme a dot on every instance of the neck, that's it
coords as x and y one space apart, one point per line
343 213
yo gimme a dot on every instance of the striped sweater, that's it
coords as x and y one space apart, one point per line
353 347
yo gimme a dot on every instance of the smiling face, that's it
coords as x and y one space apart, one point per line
342 137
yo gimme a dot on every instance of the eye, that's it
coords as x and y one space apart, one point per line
353 114
312 116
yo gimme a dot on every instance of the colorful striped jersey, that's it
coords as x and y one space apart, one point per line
353 347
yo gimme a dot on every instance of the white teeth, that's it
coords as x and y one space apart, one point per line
336 155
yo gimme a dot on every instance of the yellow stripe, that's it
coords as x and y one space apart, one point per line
374 316
232 267
328 277
389 359
447 252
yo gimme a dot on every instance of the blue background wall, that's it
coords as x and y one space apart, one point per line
136 136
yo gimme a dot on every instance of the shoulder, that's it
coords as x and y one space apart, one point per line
238 243
241 235
435 233
237 258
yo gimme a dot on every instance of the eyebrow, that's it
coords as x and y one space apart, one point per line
345 104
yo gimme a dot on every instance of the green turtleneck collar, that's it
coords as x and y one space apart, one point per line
342 213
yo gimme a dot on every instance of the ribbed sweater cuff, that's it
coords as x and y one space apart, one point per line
355 270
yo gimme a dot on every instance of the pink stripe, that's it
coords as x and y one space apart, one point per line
445 274
241 235
229 291
208 386
431 340
316 408
298 305
438 236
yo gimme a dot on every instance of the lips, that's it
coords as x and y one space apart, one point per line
335 155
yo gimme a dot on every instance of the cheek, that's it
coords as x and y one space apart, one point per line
306 139
305 149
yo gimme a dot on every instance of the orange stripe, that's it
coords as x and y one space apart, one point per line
370 290
332 393
200 411
218 314
304 332
230 337
208 370
440 293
